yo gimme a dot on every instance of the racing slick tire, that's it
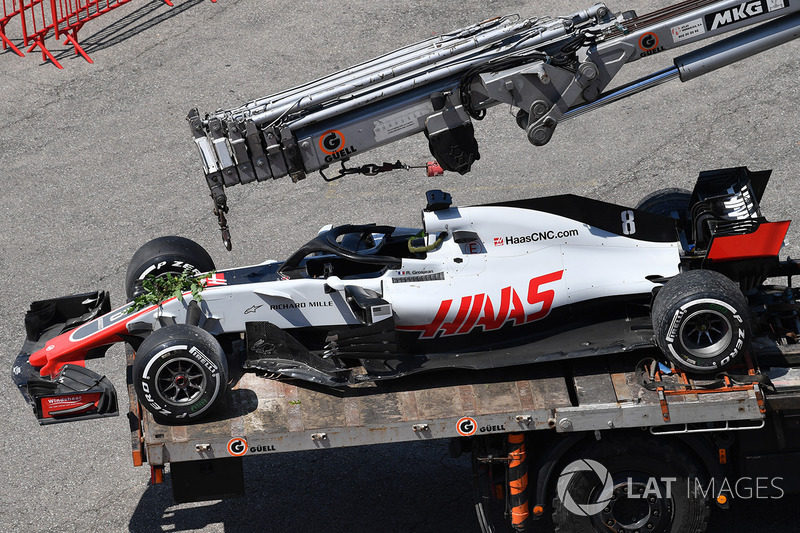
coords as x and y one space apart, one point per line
164 255
179 373
701 321
628 483
671 202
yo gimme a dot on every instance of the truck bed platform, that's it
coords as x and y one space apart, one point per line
265 416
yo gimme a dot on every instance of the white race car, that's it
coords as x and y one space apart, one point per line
476 287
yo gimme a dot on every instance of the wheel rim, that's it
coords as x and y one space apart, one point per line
706 333
180 381
635 506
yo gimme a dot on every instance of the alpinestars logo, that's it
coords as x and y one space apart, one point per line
746 10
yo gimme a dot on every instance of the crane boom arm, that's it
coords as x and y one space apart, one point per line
550 69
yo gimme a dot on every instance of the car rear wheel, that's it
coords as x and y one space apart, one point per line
672 202
165 255
179 372
701 321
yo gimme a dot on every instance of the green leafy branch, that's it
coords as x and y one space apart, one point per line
157 289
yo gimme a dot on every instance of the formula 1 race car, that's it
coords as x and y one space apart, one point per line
476 287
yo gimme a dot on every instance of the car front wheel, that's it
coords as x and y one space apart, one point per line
165 255
180 372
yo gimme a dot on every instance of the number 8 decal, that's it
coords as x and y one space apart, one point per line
628 225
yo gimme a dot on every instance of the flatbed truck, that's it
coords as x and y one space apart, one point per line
723 439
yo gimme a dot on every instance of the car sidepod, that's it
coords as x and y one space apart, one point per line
535 280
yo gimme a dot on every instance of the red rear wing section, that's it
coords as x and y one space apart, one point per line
765 241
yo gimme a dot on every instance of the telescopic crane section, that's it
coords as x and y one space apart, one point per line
550 69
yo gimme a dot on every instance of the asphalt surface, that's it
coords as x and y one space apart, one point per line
97 159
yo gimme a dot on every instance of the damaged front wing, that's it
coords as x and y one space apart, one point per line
74 392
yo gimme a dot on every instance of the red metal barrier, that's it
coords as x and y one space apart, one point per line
69 16
35 27
11 8
63 17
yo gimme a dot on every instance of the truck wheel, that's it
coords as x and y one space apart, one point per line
701 321
672 202
630 484
165 255
179 372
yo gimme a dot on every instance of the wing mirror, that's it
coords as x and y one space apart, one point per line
333 284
